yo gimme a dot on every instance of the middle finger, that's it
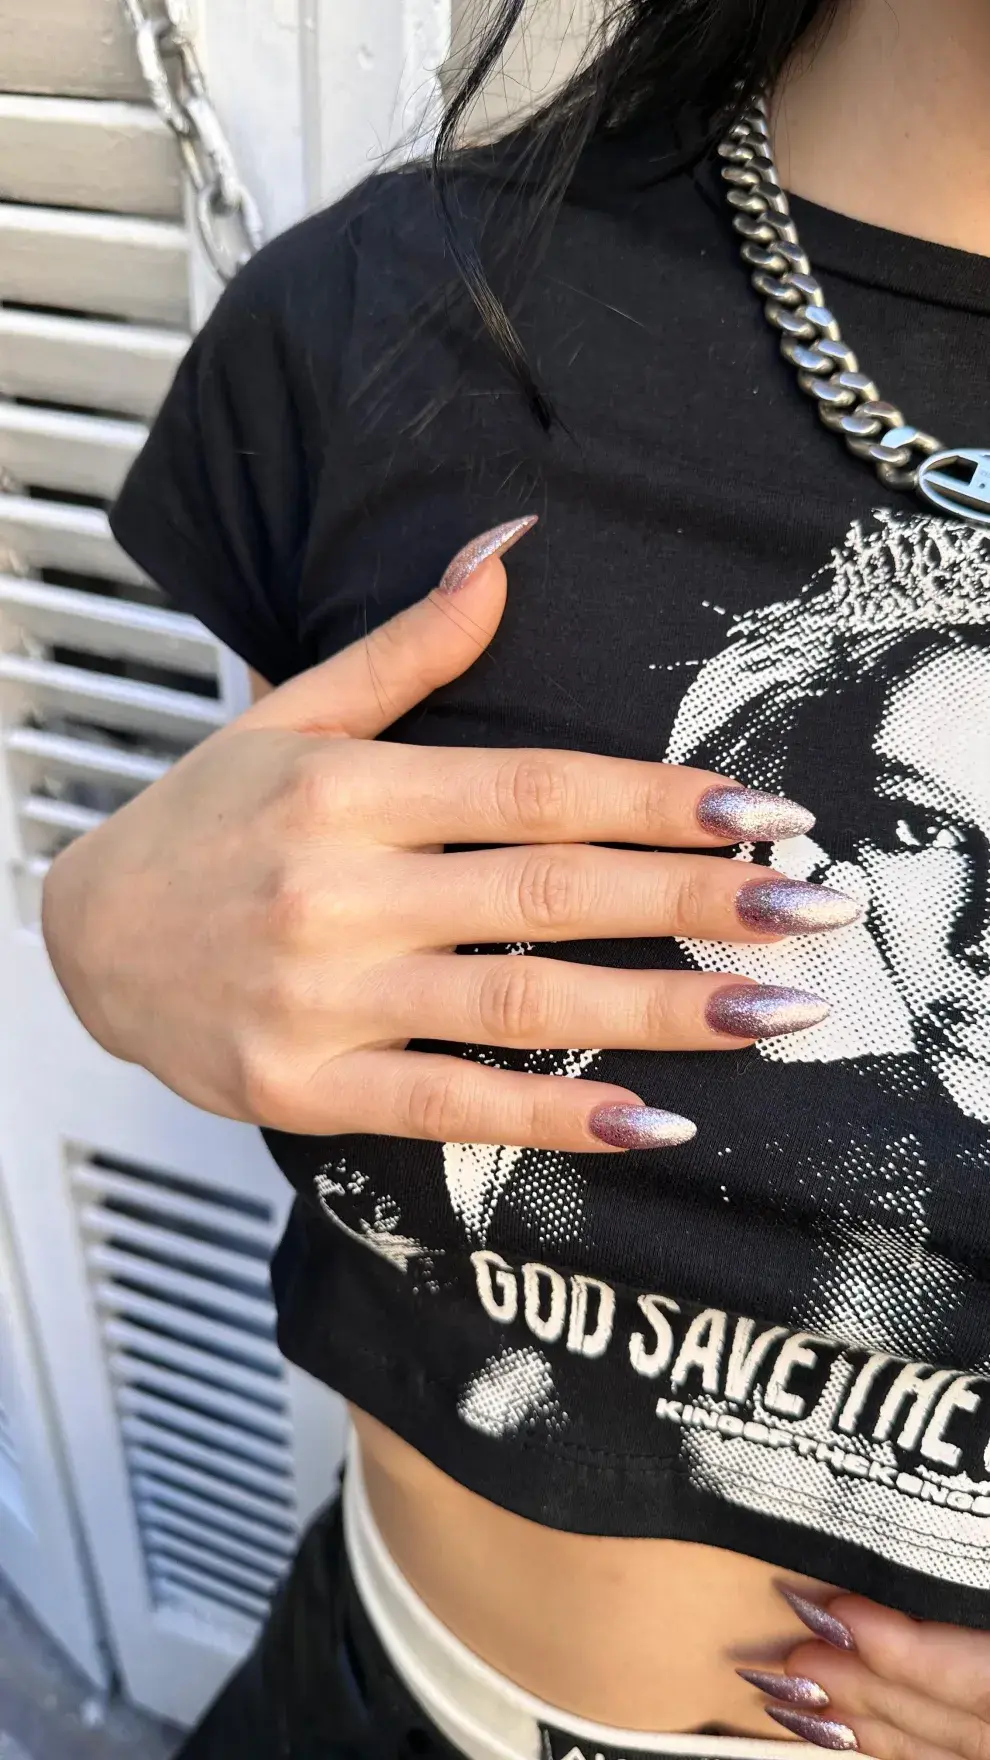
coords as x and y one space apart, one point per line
568 892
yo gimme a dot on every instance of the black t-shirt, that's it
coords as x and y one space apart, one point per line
776 1339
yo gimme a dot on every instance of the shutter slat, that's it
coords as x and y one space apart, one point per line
165 1280
205 1532
229 1442
143 1345
122 367
170 1579
68 46
184 1478
58 449
44 686
257 1423
235 1269
53 534
66 617
163 1544
101 263
228 1342
37 753
154 1492
59 815
85 153
169 1444
102 1183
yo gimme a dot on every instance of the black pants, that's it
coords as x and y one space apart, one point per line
318 1685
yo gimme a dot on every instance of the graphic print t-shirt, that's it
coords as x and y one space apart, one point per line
776 1339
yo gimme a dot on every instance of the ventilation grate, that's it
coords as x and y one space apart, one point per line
179 1272
100 685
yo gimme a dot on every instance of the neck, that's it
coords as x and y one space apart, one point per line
889 120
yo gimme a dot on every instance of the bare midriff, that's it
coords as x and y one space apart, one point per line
640 1634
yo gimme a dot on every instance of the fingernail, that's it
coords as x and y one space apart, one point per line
748 813
761 1011
818 1619
795 907
640 1127
792 1689
493 543
822 1732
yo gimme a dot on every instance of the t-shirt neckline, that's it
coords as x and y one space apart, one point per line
937 273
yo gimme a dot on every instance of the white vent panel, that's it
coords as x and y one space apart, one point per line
179 1274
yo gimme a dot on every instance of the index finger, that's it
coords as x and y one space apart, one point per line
463 795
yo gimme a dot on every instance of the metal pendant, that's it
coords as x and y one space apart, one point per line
958 483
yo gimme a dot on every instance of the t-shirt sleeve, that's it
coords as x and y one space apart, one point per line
216 507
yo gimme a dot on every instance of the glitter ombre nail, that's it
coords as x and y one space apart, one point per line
790 1689
822 1732
493 543
762 1011
751 815
776 906
818 1620
640 1127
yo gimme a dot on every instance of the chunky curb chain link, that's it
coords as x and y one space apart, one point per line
827 370
227 218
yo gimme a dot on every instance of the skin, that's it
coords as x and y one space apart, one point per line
662 1625
924 759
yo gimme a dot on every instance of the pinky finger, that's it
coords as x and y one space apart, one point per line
872 1740
447 1100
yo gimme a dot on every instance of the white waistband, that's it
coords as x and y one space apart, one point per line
479 1711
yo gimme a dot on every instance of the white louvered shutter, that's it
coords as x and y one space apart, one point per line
40 1551
141 1228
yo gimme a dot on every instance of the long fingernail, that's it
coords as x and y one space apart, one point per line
761 1011
822 1732
791 1689
818 1619
493 543
794 907
748 813
640 1127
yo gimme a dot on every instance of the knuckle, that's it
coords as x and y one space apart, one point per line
976 1742
436 1109
288 906
511 1001
549 889
265 1091
534 791
544 1119
315 791
689 903
981 1706
656 1014
651 797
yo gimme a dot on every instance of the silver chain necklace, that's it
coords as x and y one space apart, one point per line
827 370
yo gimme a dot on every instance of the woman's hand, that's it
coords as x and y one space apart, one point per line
881 1684
268 925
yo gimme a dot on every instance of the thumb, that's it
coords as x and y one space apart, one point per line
367 686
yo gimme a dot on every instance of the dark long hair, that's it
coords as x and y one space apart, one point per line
683 65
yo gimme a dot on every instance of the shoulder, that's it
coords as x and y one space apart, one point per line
385 229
